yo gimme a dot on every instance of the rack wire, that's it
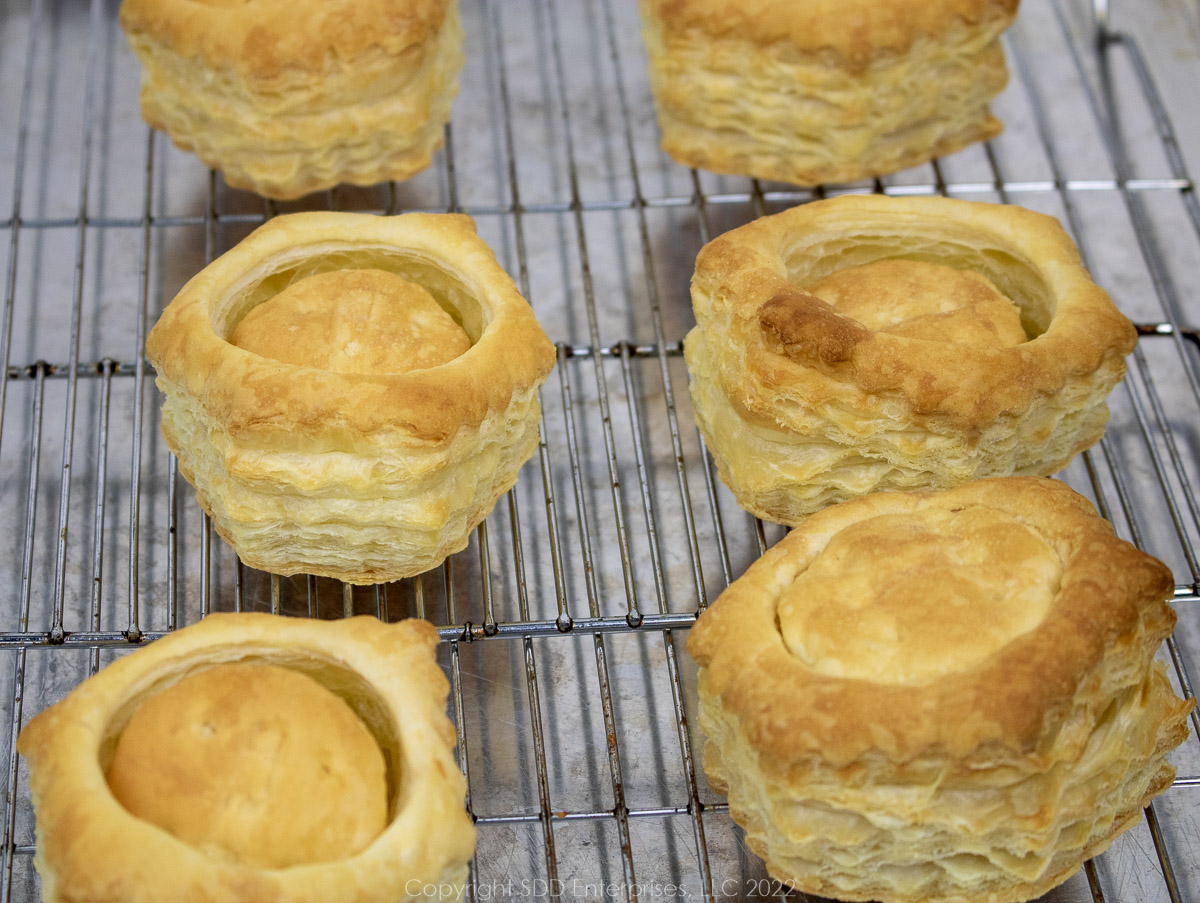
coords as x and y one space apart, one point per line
562 622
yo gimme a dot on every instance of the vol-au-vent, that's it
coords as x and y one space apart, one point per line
868 343
350 394
941 696
287 98
823 90
252 757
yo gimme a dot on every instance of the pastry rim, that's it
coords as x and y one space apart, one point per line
856 30
255 397
790 331
87 841
997 710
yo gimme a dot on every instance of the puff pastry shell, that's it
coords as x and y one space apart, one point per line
803 405
366 477
823 90
91 850
946 697
286 98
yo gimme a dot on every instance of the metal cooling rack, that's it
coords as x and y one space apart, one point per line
562 621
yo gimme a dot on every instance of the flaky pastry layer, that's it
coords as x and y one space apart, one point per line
992 776
90 849
803 406
286 100
825 90
364 477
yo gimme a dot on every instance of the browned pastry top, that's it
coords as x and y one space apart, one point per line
969 624
271 401
855 29
268 38
907 598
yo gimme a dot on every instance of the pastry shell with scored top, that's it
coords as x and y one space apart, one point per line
823 90
941 696
287 98
367 477
802 405
92 850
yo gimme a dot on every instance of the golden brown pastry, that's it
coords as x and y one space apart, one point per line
290 97
252 757
869 343
351 394
942 697
823 90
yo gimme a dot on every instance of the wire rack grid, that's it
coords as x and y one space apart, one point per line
562 621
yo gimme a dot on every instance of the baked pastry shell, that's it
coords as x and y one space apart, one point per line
91 849
288 100
803 406
1037 736
1110 605
366 477
825 90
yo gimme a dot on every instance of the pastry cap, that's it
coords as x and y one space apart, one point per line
267 403
91 848
985 705
265 39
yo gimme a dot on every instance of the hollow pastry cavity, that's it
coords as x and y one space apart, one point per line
384 399
267 732
253 764
287 101
869 343
942 696
353 321
825 90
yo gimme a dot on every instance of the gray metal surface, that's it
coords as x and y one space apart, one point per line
564 621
